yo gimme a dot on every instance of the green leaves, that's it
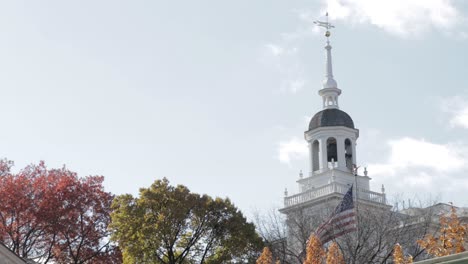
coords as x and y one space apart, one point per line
168 224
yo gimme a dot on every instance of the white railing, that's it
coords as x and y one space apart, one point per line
330 188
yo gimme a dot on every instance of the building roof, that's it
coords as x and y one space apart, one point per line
8 256
331 117
453 259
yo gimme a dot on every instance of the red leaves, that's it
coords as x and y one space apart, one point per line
54 215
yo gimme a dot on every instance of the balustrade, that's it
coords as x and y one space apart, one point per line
314 193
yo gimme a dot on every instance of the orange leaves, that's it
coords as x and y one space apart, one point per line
399 257
451 237
266 257
315 253
434 246
456 232
334 255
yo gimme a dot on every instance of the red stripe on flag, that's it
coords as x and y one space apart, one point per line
334 219
337 228
328 232
329 238
350 214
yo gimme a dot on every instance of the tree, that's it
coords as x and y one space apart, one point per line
273 227
379 230
55 216
315 254
399 257
265 257
168 224
82 220
334 255
451 237
21 226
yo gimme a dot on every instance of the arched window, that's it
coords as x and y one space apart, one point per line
348 154
315 156
332 153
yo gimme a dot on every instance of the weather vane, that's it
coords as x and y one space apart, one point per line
326 25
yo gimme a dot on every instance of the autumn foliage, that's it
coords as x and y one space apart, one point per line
266 257
450 239
334 255
315 254
399 257
52 215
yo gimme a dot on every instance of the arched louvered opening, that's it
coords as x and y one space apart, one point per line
332 153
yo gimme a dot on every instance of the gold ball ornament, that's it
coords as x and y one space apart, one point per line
327 34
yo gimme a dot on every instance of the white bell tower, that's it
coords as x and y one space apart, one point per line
331 137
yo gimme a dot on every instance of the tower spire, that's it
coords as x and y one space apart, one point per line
330 91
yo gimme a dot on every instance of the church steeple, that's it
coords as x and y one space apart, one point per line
331 135
330 91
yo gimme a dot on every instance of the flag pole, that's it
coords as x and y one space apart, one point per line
357 202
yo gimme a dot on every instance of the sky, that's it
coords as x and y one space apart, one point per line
216 95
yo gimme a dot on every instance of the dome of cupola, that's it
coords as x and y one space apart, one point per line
331 117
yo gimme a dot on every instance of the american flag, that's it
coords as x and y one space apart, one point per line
342 221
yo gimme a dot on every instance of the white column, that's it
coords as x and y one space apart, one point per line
341 152
353 144
323 154
311 159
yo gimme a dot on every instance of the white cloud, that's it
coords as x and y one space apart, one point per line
417 166
400 17
461 118
409 153
457 107
293 149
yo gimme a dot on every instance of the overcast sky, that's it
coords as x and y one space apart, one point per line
216 95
